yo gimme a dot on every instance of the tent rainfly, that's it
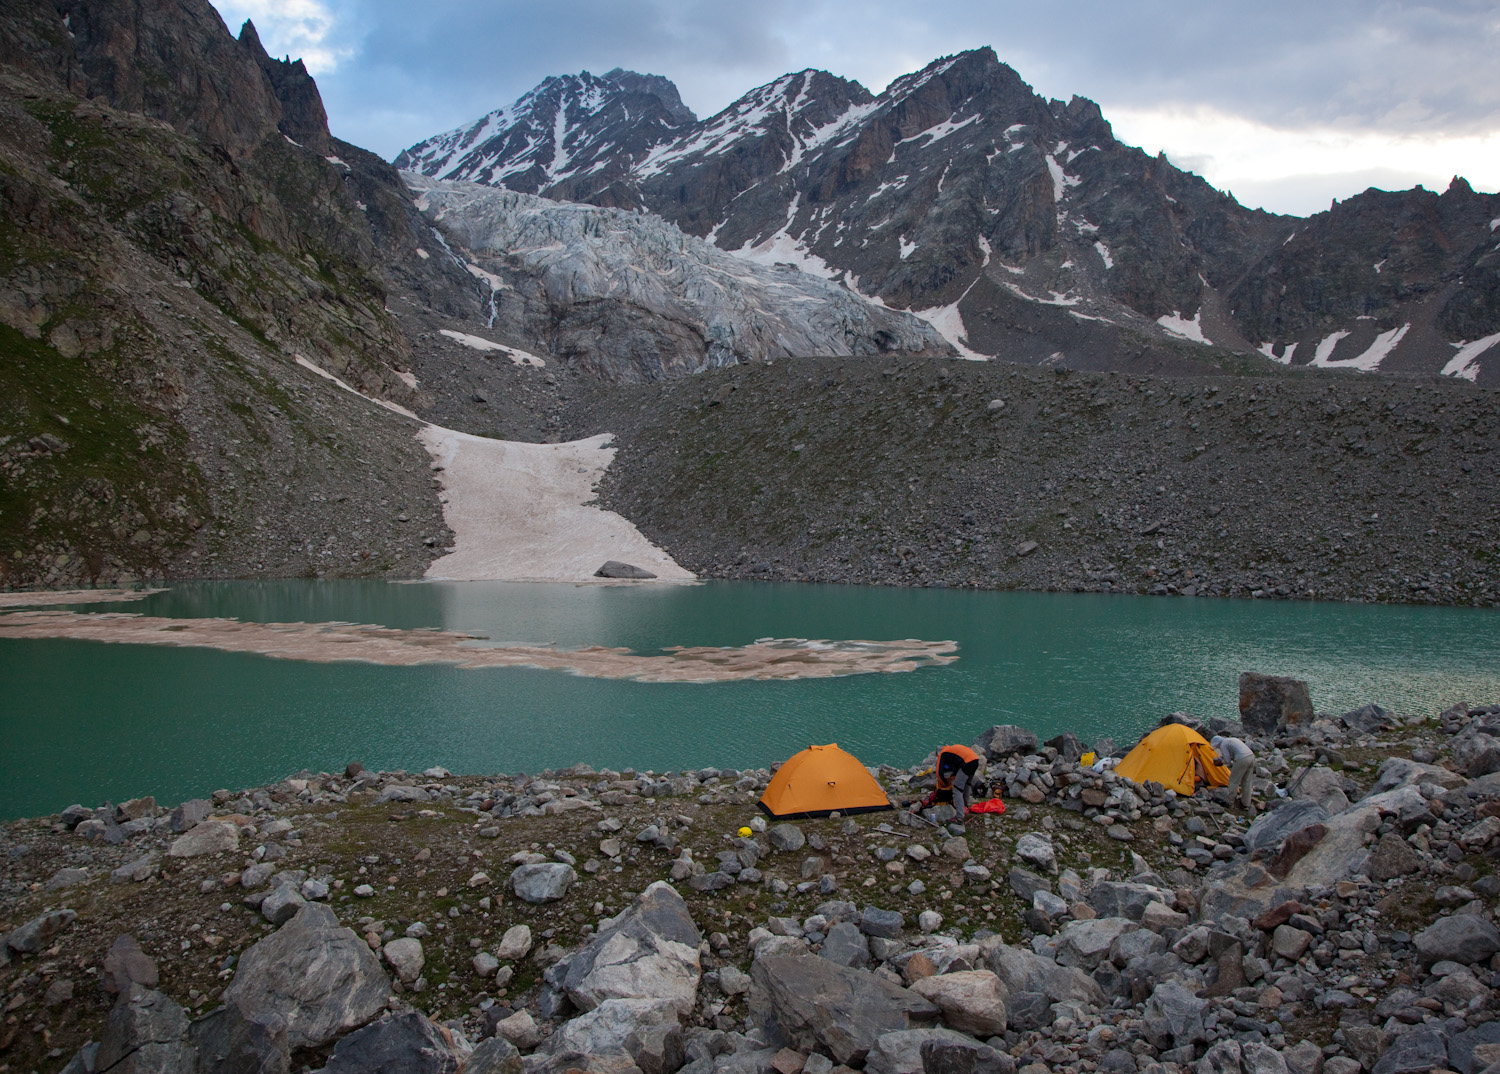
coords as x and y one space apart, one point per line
819 780
1167 755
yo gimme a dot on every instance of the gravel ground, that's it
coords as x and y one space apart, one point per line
995 476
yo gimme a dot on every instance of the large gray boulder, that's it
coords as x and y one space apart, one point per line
407 1043
613 568
1025 971
37 933
1036 849
1461 938
1234 1057
845 945
126 964
1084 944
319 977
645 1031
1477 755
900 1052
1424 1048
495 1056
146 1034
542 882
210 837
1397 772
1324 786
1367 719
948 1056
1174 1017
1247 888
227 1041
1268 702
971 1001
650 951
1004 739
1392 857
1272 827
1461 1047
1113 898
812 1005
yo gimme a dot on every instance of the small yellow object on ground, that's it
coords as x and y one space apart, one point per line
744 833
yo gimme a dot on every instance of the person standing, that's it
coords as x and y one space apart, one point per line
955 774
1240 760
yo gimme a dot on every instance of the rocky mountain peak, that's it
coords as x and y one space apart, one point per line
663 89
1025 227
303 118
567 127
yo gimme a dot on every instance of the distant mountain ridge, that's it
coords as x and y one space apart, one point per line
569 127
1019 226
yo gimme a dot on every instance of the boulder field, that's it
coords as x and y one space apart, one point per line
616 922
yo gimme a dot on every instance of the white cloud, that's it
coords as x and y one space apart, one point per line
302 29
1298 170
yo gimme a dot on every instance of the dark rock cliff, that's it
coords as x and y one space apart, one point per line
166 254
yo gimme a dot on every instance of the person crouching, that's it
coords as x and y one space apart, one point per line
956 772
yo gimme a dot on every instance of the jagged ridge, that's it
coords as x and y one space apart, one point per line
1024 229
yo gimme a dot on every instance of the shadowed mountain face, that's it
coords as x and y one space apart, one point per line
1020 226
181 239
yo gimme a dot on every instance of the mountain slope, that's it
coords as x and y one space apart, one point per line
182 243
167 252
1024 229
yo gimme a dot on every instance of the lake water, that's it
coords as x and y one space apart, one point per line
87 722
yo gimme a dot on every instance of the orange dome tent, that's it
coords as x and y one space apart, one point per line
1167 754
819 780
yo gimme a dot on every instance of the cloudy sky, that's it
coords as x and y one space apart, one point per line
1286 103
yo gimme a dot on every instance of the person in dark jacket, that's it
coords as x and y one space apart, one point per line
956 773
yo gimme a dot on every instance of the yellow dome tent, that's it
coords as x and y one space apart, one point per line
819 780
1167 754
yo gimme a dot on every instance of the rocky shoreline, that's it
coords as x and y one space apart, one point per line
617 922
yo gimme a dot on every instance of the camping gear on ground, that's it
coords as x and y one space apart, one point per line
991 805
820 780
1175 756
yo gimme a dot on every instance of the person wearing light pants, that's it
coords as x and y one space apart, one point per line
1240 760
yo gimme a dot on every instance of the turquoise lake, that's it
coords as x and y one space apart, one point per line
88 722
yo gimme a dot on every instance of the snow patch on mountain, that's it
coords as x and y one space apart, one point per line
1366 361
950 322
1061 180
479 343
1465 363
938 131
1285 357
1059 298
1182 328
